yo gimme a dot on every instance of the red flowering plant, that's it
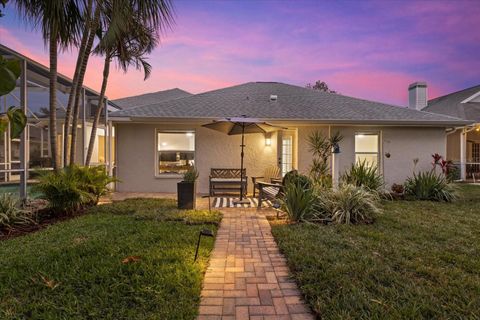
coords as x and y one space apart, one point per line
436 160
445 165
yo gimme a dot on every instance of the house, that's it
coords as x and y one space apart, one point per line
463 143
156 142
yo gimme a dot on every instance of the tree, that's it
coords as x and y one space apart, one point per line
60 22
88 36
3 3
320 86
128 47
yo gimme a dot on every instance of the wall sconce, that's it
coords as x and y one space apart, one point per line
336 148
268 140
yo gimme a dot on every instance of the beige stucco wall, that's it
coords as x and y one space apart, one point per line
136 155
403 143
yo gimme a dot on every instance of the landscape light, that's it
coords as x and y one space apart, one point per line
206 233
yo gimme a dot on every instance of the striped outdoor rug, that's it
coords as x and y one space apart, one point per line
227 202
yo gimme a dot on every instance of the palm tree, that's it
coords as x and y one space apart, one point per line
131 31
127 48
60 22
82 60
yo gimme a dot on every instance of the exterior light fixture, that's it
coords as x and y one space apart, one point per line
336 148
206 233
268 140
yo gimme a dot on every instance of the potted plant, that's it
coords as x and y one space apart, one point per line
186 189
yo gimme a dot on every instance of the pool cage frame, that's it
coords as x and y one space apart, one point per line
34 77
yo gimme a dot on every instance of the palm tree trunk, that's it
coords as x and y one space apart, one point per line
74 88
98 113
53 100
76 109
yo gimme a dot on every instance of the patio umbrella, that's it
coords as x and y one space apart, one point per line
241 125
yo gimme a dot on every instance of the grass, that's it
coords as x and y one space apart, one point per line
418 260
127 260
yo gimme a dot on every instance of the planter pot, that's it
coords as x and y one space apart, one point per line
186 195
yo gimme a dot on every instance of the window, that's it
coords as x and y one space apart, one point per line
366 148
175 152
287 154
476 152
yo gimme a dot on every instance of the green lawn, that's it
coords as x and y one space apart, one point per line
75 269
418 260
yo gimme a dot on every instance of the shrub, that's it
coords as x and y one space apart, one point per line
398 188
73 187
430 186
11 216
348 204
191 175
361 174
297 178
321 148
93 180
298 199
63 191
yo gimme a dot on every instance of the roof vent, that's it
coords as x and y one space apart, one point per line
273 97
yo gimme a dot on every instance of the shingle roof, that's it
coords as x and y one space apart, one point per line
294 103
451 105
150 98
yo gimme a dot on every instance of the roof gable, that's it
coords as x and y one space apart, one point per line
456 104
150 98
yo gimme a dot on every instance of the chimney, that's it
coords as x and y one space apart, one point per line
417 95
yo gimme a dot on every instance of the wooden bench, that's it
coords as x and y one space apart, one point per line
224 180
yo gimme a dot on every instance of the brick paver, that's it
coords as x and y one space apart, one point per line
247 277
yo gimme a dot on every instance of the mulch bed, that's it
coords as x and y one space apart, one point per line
45 218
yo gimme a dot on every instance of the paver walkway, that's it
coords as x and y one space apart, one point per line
247 277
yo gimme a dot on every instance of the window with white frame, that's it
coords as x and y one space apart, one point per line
367 148
287 154
175 152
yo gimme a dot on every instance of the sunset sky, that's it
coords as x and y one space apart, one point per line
367 49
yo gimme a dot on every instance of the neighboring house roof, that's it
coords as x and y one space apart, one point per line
151 98
293 103
455 104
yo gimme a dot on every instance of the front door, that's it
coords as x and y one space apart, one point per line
286 156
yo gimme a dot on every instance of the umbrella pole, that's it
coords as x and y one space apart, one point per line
241 200
241 162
